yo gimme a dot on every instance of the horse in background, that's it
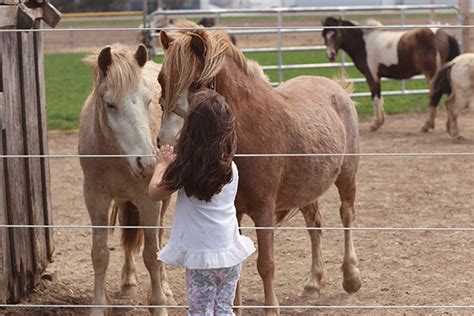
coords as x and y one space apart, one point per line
122 116
158 22
397 55
304 115
455 79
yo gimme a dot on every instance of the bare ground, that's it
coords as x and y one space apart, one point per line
398 268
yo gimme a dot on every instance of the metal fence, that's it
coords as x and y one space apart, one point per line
278 31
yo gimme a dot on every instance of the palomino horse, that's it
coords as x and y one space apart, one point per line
397 55
122 116
304 115
456 79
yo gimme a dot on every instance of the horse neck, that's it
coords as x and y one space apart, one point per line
241 88
354 45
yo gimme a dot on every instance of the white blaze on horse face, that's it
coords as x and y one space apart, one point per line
330 46
130 122
172 124
381 48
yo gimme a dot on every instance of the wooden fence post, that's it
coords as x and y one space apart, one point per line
24 182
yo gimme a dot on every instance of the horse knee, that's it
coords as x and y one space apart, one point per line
347 213
265 267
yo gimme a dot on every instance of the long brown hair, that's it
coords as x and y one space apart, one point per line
205 148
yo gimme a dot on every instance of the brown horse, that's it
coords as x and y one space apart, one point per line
397 55
456 79
122 116
304 115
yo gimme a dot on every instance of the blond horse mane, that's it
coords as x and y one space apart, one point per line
182 62
122 75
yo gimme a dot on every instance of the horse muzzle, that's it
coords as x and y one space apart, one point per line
142 167
331 56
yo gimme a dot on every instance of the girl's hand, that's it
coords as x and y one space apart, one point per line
165 154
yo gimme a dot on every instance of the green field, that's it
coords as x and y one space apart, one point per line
68 82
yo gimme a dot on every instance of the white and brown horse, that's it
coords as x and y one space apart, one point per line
456 79
398 55
304 115
122 116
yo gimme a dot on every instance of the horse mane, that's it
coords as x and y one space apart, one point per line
217 47
122 75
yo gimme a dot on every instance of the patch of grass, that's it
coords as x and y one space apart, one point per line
69 81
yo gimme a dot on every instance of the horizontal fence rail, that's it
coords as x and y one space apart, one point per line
257 155
323 9
275 228
243 306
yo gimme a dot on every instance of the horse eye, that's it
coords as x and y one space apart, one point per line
111 106
162 101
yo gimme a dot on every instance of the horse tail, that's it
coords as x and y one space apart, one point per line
441 85
132 238
454 49
346 85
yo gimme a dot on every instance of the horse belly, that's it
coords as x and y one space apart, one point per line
306 180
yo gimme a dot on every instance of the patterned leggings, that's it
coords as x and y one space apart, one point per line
211 291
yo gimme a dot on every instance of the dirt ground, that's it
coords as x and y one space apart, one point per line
397 267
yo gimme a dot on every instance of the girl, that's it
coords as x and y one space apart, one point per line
204 235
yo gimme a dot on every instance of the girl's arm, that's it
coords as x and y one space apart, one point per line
156 189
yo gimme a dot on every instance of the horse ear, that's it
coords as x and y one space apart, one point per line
141 55
165 40
197 44
105 59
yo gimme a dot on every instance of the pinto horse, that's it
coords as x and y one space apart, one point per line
397 55
122 116
456 79
304 115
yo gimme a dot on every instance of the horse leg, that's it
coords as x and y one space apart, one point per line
98 207
129 271
429 73
316 280
265 259
150 212
164 277
238 297
377 103
347 188
452 108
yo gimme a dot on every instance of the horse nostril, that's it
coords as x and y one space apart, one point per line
140 164
158 142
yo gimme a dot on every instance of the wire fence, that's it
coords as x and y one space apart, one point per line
312 307
264 30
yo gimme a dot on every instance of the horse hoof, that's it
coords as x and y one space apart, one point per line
352 285
127 291
424 129
459 139
374 128
309 292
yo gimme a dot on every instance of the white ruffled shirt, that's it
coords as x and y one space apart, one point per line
205 235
